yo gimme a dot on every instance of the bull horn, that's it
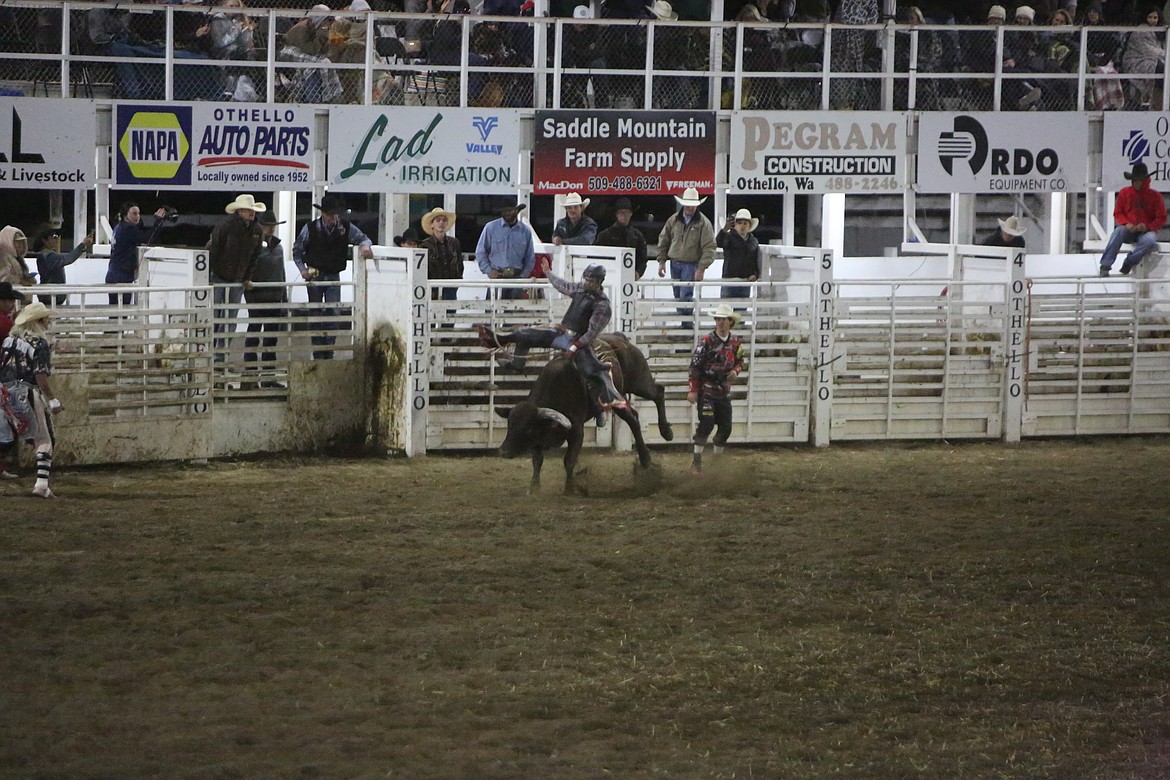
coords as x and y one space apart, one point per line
555 416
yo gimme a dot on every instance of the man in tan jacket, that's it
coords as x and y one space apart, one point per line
687 242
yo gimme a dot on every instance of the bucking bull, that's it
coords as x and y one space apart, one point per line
559 405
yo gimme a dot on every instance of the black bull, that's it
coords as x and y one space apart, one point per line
558 407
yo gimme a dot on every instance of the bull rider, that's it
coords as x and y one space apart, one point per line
587 316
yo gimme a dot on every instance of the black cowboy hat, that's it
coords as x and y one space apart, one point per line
1140 171
407 235
267 218
9 294
332 204
623 203
518 207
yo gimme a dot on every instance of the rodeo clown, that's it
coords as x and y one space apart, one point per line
586 317
28 400
718 358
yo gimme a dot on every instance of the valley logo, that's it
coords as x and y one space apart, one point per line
1010 169
484 125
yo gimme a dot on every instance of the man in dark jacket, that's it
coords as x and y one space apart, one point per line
51 261
232 251
269 270
1010 233
322 252
741 253
621 233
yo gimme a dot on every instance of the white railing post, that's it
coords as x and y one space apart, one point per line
648 79
270 66
889 68
417 349
823 316
558 37
997 90
912 68
1082 69
1017 354
825 66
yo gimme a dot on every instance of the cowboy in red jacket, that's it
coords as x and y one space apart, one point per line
1139 213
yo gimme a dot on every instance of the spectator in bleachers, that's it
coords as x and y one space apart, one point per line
576 228
1145 52
444 254
51 261
1061 55
347 44
129 234
1022 51
741 252
1101 45
13 248
583 48
445 39
1140 212
850 55
506 250
230 37
1011 233
622 233
306 42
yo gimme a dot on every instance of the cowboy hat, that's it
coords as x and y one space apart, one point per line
407 235
623 204
267 218
1140 171
429 217
7 293
517 207
574 199
690 197
582 12
745 214
245 202
725 310
1012 226
662 10
332 204
33 312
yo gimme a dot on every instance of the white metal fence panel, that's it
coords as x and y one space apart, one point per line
919 359
1097 361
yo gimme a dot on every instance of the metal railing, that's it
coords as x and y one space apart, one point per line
157 52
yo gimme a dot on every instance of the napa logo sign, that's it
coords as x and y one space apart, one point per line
153 145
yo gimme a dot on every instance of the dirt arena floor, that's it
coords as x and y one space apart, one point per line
878 611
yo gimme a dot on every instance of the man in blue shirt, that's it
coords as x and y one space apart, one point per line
506 251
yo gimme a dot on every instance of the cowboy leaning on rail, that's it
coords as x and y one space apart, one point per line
586 317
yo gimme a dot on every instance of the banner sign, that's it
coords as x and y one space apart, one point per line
1002 152
1135 137
214 146
624 152
816 152
47 144
468 150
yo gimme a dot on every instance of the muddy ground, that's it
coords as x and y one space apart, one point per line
878 611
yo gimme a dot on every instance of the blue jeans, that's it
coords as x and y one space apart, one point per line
683 272
231 295
319 293
736 291
1144 243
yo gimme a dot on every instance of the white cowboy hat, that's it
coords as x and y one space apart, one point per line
244 202
34 311
745 214
690 197
662 10
574 199
1012 226
429 217
725 310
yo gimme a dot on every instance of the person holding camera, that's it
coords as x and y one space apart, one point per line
129 234
506 251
